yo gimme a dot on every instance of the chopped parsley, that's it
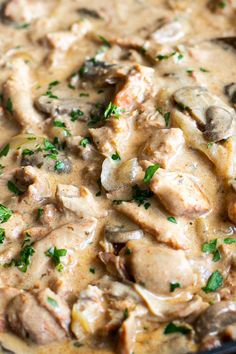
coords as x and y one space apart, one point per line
84 94
204 70
92 270
229 241
59 166
174 286
75 114
98 194
23 25
140 196
116 157
167 118
85 141
222 4
150 171
214 282
172 219
59 124
52 301
127 251
126 314
105 41
39 213
5 214
5 150
9 106
52 84
2 235
13 188
49 94
55 254
48 146
209 145
113 110
211 247
173 328
165 56
27 152
24 259
1 169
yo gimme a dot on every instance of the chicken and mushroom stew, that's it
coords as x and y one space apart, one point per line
117 176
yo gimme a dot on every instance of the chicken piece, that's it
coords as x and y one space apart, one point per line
179 193
149 117
156 223
29 320
63 40
127 335
6 295
78 200
36 184
17 92
113 137
135 89
14 226
88 312
20 11
170 266
72 237
57 307
163 146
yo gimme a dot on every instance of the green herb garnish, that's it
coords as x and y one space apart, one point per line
214 282
9 106
5 150
173 328
13 188
174 286
113 110
52 301
5 214
116 156
55 254
2 235
150 171
172 219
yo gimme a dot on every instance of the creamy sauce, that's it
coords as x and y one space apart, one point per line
120 33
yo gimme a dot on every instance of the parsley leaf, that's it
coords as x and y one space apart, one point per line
167 118
9 106
13 188
214 282
76 114
105 41
5 214
126 314
52 84
85 141
59 166
27 152
209 247
172 219
52 301
113 110
216 256
92 270
174 286
39 213
5 150
116 156
59 124
150 171
173 328
140 196
229 241
2 234
55 254
165 56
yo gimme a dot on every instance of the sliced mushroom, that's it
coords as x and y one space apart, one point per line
218 123
194 99
64 106
216 318
119 234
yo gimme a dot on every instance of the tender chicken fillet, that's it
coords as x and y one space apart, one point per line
78 200
163 146
6 295
180 194
29 320
17 93
155 222
158 266
137 86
